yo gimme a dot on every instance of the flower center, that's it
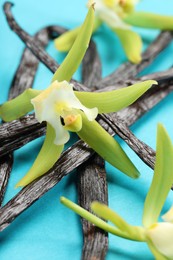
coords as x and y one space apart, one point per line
62 108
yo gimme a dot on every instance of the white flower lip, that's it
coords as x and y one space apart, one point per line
56 102
161 235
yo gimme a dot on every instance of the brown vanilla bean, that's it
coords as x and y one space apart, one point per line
129 70
6 163
17 128
91 67
92 185
29 41
20 141
23 79
121 129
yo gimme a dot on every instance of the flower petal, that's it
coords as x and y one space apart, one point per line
77 52
68 96
106 146
162 180
103 211
161 234
47 157
65 41
112 101
59 100
18 106
150 20
44 106
131 42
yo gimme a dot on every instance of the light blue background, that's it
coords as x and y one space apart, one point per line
48 229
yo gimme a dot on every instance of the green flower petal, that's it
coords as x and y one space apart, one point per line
93 219
47 157
131 42
64 42
18 106
106 146
150 20
103 211
77 52
162 180
113 101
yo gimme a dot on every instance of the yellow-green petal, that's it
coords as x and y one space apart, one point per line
106 146
131 42
115 100
150 20
18 106
46 158
77 52
103 211
162 180
64 42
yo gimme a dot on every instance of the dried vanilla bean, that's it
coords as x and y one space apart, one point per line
6 163
17 128
91 67
92 185
23 79
91 179
29 41
122 130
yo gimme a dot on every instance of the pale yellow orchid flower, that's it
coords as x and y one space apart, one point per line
120 16
161 234
58 106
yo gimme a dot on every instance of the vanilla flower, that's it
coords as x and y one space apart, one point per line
120 16
58 103
161 234
157 235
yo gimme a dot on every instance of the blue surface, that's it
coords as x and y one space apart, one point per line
48 229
